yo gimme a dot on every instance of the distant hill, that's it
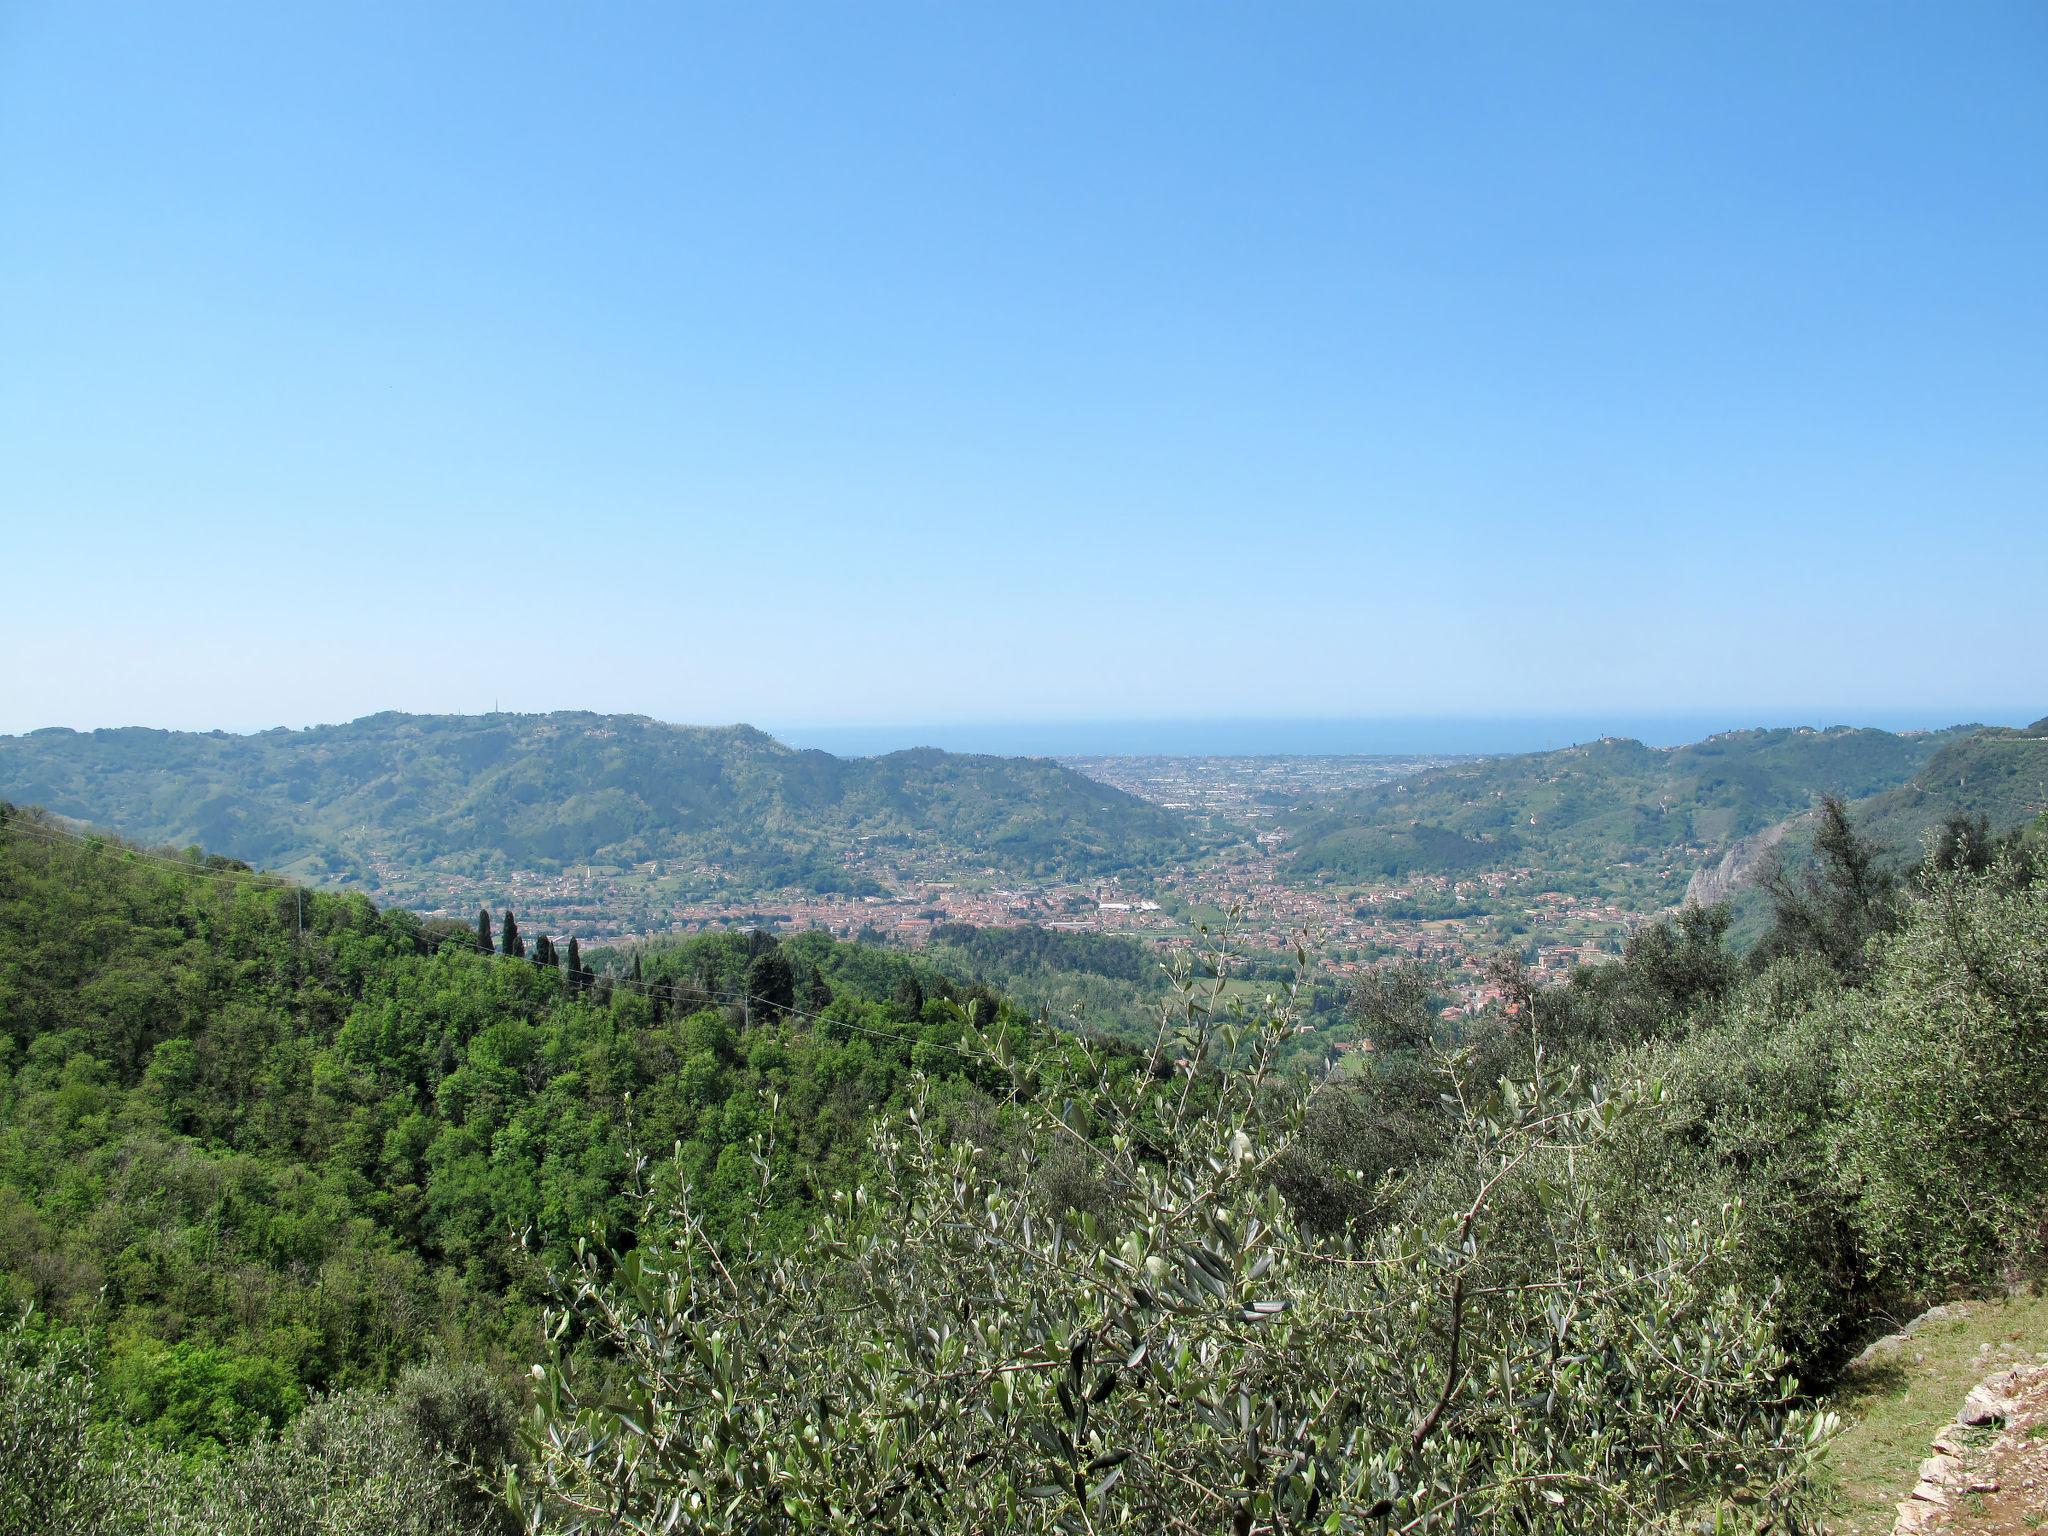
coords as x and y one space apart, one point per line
489 793
1992 772
1999 774
1585 809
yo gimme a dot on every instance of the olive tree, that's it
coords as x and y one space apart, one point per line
952 1351
1946 1138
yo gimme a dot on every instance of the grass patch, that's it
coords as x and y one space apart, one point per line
1891 1408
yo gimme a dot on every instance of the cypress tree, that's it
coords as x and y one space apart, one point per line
575 966
771 982
910 996
817 992
509 939
484 946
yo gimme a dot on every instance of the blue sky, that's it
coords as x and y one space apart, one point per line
841 364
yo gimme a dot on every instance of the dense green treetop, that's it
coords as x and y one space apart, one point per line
908 1262
271 1142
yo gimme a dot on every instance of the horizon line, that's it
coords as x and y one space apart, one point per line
1765 718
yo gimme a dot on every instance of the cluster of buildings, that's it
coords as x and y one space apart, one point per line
1457 924
1353 928
1245 791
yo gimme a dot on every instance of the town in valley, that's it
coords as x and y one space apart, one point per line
1554 919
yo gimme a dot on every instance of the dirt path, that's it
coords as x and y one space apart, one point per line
1901 1397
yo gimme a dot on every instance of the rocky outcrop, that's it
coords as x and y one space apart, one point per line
1737 867
1892 1343
1990 1465
1990 1401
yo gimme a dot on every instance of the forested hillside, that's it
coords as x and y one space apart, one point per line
1996 776
494 793
1582 810
802 1236
1986 785
272 1143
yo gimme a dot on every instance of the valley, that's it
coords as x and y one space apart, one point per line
651 830
1023 771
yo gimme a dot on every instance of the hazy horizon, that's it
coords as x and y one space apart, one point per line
1363 736
1253 736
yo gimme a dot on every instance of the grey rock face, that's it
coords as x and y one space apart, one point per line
1738 866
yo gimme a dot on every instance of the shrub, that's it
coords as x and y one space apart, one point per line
1947 1132
458 1411
49 1479
355 1464
351 1465
1750 1112
951 1352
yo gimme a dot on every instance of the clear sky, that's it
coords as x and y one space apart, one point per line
859 362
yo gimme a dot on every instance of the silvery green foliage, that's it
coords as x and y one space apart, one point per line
356 1464
1947 1130
351 1465
49 1483
950 1354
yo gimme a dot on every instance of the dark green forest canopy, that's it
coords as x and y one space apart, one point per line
258 1144
269 1142
491 793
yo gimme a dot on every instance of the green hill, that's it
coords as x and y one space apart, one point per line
1993 773
310 1136
304 1204
2000 775
1582 811
393 795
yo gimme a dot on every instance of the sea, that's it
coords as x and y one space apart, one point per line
1389 736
